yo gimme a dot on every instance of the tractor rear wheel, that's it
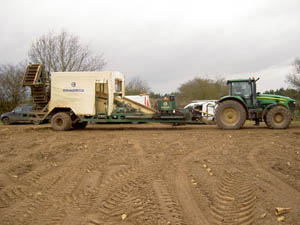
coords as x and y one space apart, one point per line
230 115
61 121
278 117
79 125
266 122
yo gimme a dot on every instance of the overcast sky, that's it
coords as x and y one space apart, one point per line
166 42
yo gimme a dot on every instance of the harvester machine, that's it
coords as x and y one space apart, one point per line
75 98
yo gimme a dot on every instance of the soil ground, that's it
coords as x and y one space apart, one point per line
149 174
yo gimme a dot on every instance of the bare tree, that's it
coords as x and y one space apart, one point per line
12 92
137 86
294 78
64 52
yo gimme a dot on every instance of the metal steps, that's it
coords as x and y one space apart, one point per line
32 74
37 79
39 94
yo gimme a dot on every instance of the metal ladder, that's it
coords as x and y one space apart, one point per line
37 79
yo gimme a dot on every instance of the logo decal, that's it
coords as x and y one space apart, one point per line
73 84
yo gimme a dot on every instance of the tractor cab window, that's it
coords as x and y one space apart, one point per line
241 88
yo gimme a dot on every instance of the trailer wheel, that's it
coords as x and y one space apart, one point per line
230 115
80 125
61 121
278 117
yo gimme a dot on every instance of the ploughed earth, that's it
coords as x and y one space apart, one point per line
147 174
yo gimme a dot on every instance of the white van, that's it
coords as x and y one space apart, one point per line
204 108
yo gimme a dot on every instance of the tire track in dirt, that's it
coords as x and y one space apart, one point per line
234 202
140 153
283 194
81 189
114 205
276 185
189 205
124 191
116 174
56 185
11 194
25 168
170 208
87 195
33 170
137 149
124 198
130 199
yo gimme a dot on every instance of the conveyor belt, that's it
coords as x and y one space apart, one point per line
135 105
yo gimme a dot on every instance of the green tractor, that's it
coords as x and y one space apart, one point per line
244 103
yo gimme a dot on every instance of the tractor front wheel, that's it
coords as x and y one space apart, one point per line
230 115
278 117
61 121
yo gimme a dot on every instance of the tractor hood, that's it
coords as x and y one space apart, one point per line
275 97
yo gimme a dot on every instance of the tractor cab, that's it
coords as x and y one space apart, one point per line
245 89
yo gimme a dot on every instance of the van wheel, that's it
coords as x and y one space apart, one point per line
61 121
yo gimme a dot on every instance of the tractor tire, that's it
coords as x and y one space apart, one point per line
278 117
6 121
80 125
266 122
230 115
61 121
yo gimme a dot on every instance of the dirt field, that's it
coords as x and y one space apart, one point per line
148 174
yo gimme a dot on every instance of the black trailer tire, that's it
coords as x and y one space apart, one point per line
80 125
61 121
230 115
6 121
278 117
